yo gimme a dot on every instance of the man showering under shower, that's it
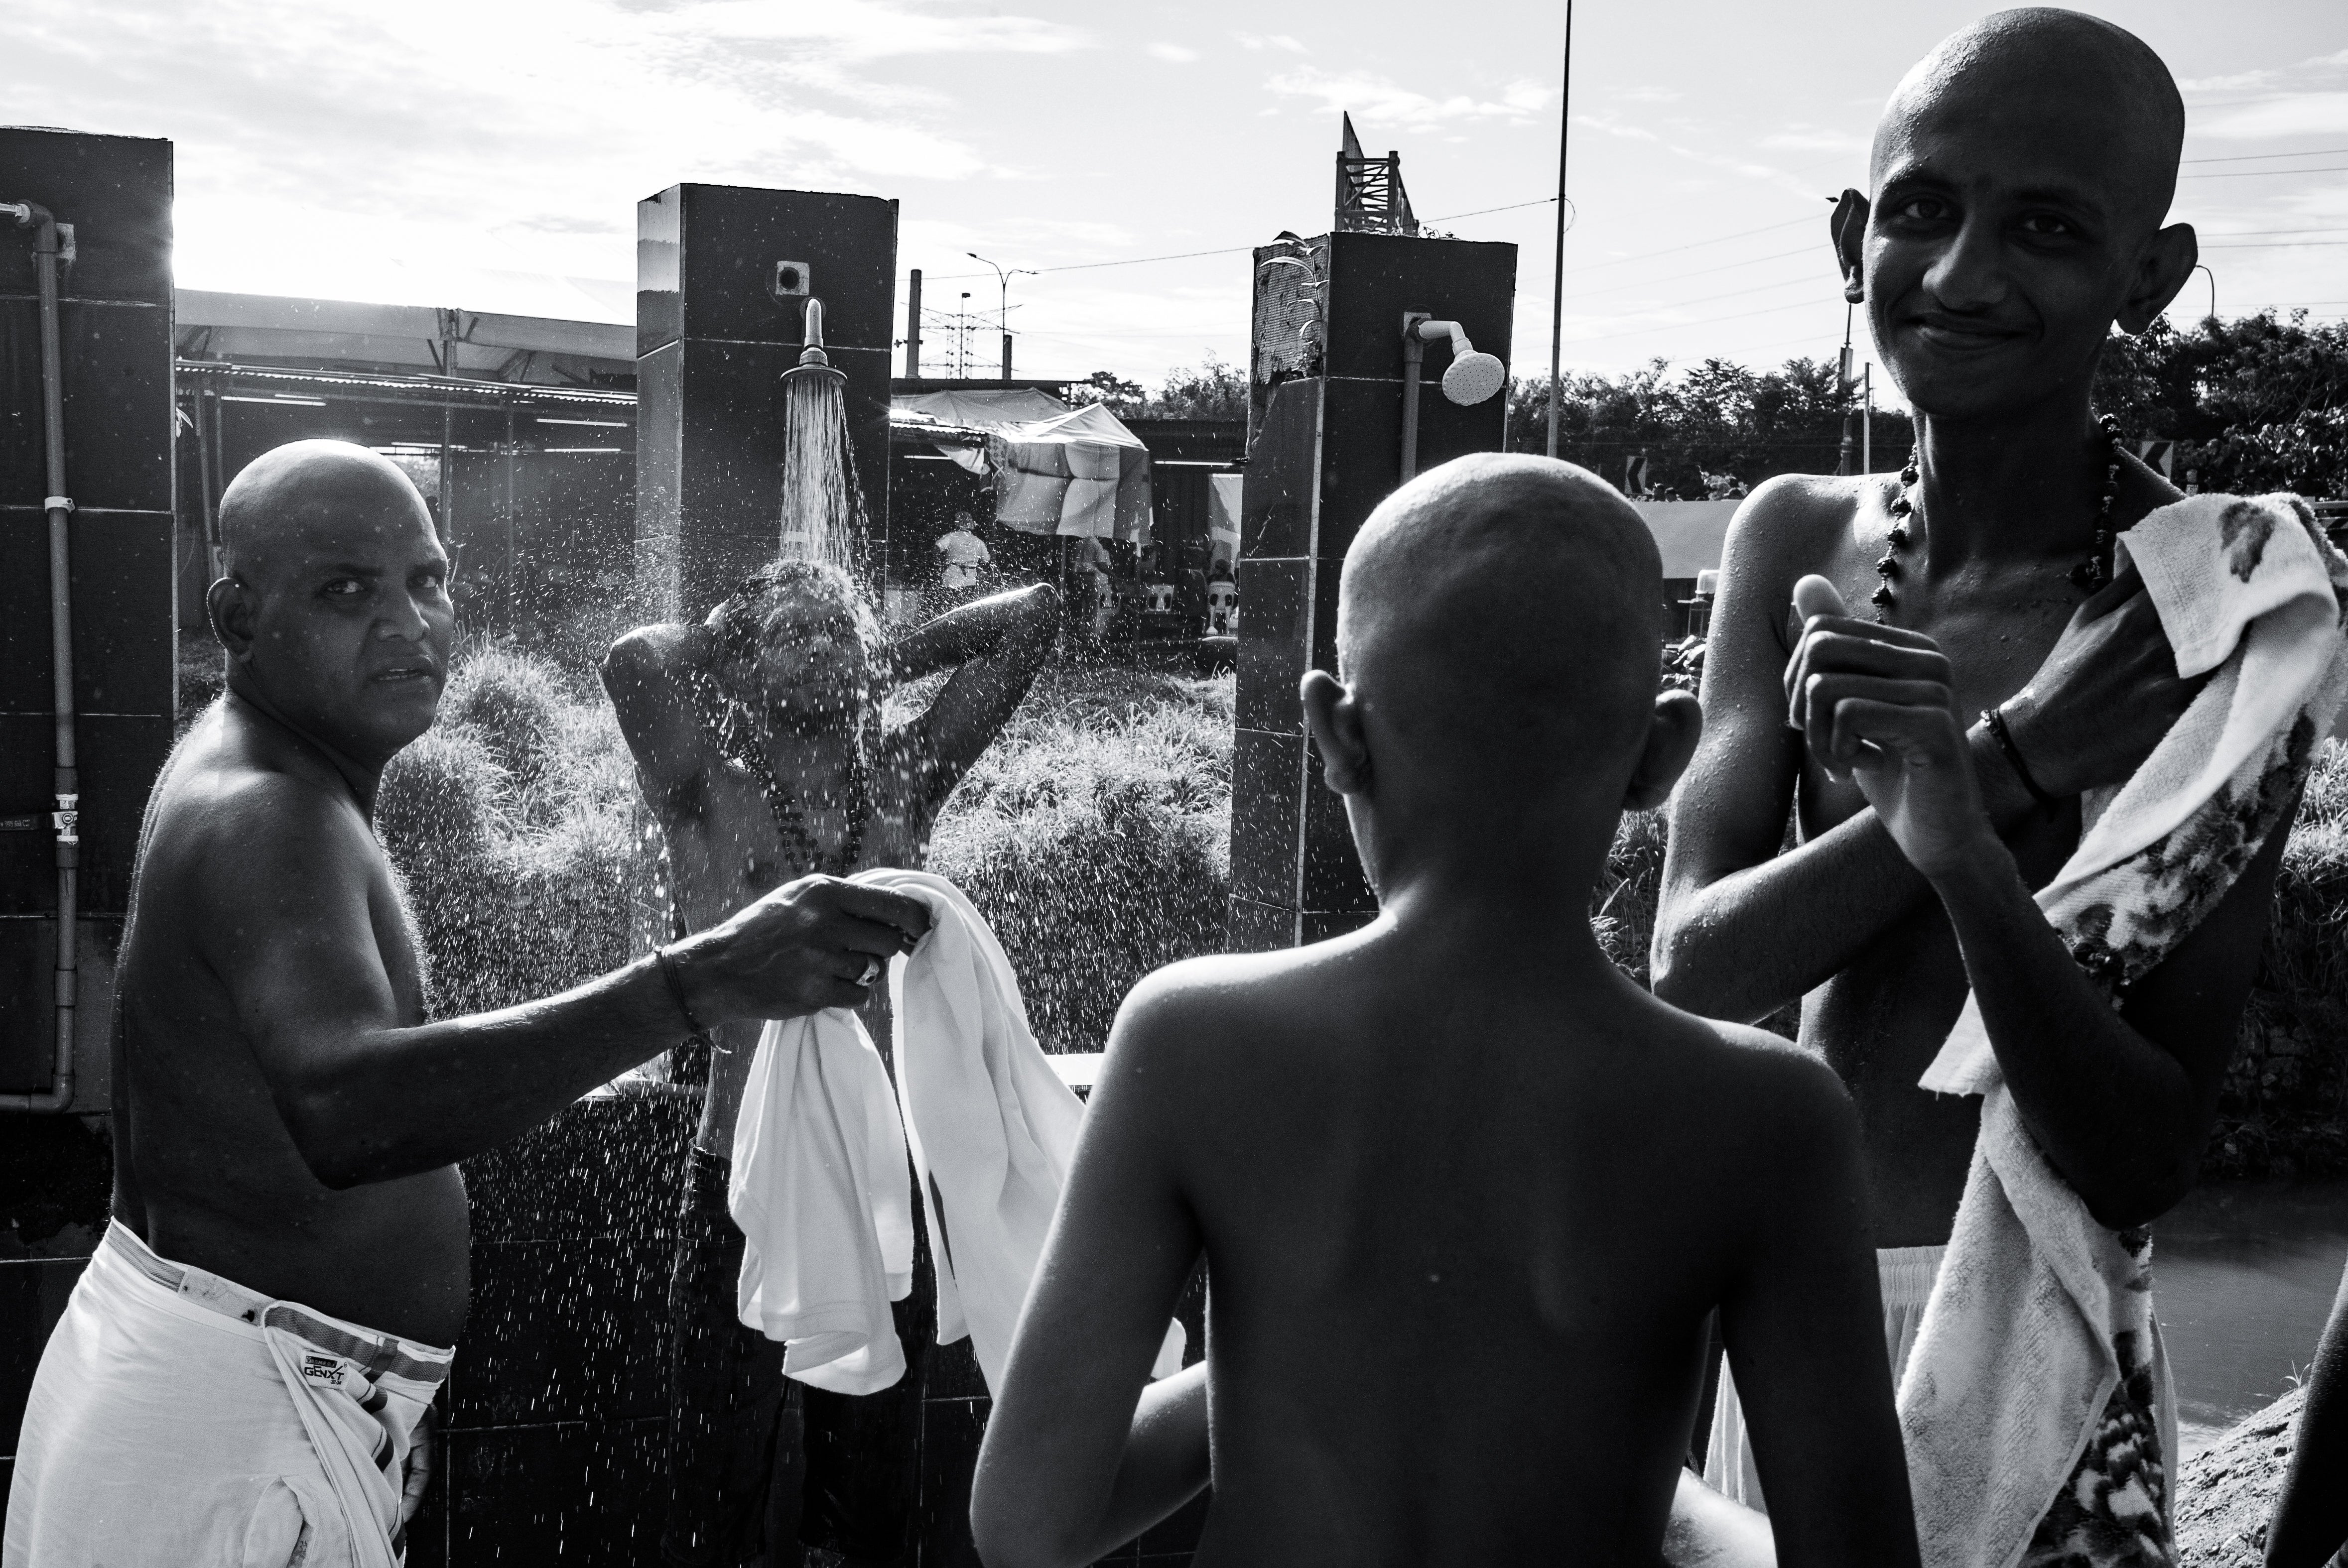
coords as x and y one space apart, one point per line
761 750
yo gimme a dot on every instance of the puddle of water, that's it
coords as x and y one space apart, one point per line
2244 1276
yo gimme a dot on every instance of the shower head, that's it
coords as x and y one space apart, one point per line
1472 375
813 361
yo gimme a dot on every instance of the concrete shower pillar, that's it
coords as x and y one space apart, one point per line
1326 448
114 343
712 345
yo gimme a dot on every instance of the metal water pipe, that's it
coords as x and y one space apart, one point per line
64 821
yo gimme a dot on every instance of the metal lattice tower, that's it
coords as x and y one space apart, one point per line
1370 197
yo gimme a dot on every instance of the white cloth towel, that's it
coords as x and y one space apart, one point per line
819 1189
819 1157
178 1418
2036 1406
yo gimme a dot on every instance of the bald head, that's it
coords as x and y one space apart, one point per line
2095 88
313 495
1501 612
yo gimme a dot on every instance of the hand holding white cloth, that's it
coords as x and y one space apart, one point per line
818 1182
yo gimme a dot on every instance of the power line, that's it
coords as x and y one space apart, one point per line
1707 321
1700 272
2258 173
2265 157
1692 245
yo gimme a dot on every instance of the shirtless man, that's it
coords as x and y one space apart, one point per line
2022 173
759 746
244 1363
1469 1195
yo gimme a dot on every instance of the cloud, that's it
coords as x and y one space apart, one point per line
1269 41
1174 53
1644 94
369 150
2232 83
2288 114
1376 98
1811 138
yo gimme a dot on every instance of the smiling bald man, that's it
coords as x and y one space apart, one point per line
241 1370
2022 174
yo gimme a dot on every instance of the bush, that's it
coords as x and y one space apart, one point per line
513 825
1094 835
2278 1114
516 703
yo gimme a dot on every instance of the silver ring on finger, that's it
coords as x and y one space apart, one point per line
872 968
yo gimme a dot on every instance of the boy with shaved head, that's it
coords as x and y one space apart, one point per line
1468 1195
241 1370
2022 177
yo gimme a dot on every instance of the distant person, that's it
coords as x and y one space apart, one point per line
2022 173
1471 1194
242 1371
965 554
762 752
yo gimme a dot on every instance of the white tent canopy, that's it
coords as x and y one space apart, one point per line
1057 470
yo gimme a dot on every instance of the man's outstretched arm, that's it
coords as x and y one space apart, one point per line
1082 1453
999 642
650 675
289 931
1804 1325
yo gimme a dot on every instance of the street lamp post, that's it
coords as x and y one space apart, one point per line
1003 309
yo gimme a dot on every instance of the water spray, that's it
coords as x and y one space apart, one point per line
823 503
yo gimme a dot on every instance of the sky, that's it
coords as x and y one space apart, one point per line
475 155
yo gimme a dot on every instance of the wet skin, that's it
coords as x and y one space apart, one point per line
289 1120
2013 225
813 686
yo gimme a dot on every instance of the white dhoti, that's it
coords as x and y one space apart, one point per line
180 1420
1905 1275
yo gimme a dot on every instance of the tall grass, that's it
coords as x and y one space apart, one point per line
1094 836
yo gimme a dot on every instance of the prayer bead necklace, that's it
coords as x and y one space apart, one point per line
2087 577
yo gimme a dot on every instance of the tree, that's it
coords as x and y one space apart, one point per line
1718 419
2259 403
1105 387
1213 390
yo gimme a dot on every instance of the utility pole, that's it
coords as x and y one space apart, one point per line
914 329
1557 284
1003 309
1866 418
1843 383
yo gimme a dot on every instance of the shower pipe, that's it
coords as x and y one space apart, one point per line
64 821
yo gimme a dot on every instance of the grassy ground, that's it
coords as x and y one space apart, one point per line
1094 836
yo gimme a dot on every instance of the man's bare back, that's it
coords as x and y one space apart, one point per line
1468 1196
1465 1241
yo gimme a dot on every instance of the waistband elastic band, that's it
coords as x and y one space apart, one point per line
376 1352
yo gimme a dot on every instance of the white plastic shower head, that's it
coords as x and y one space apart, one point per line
1474 376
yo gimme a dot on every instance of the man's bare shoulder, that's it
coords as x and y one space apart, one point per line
1791 521
230 811
1203 1017
1751 1098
